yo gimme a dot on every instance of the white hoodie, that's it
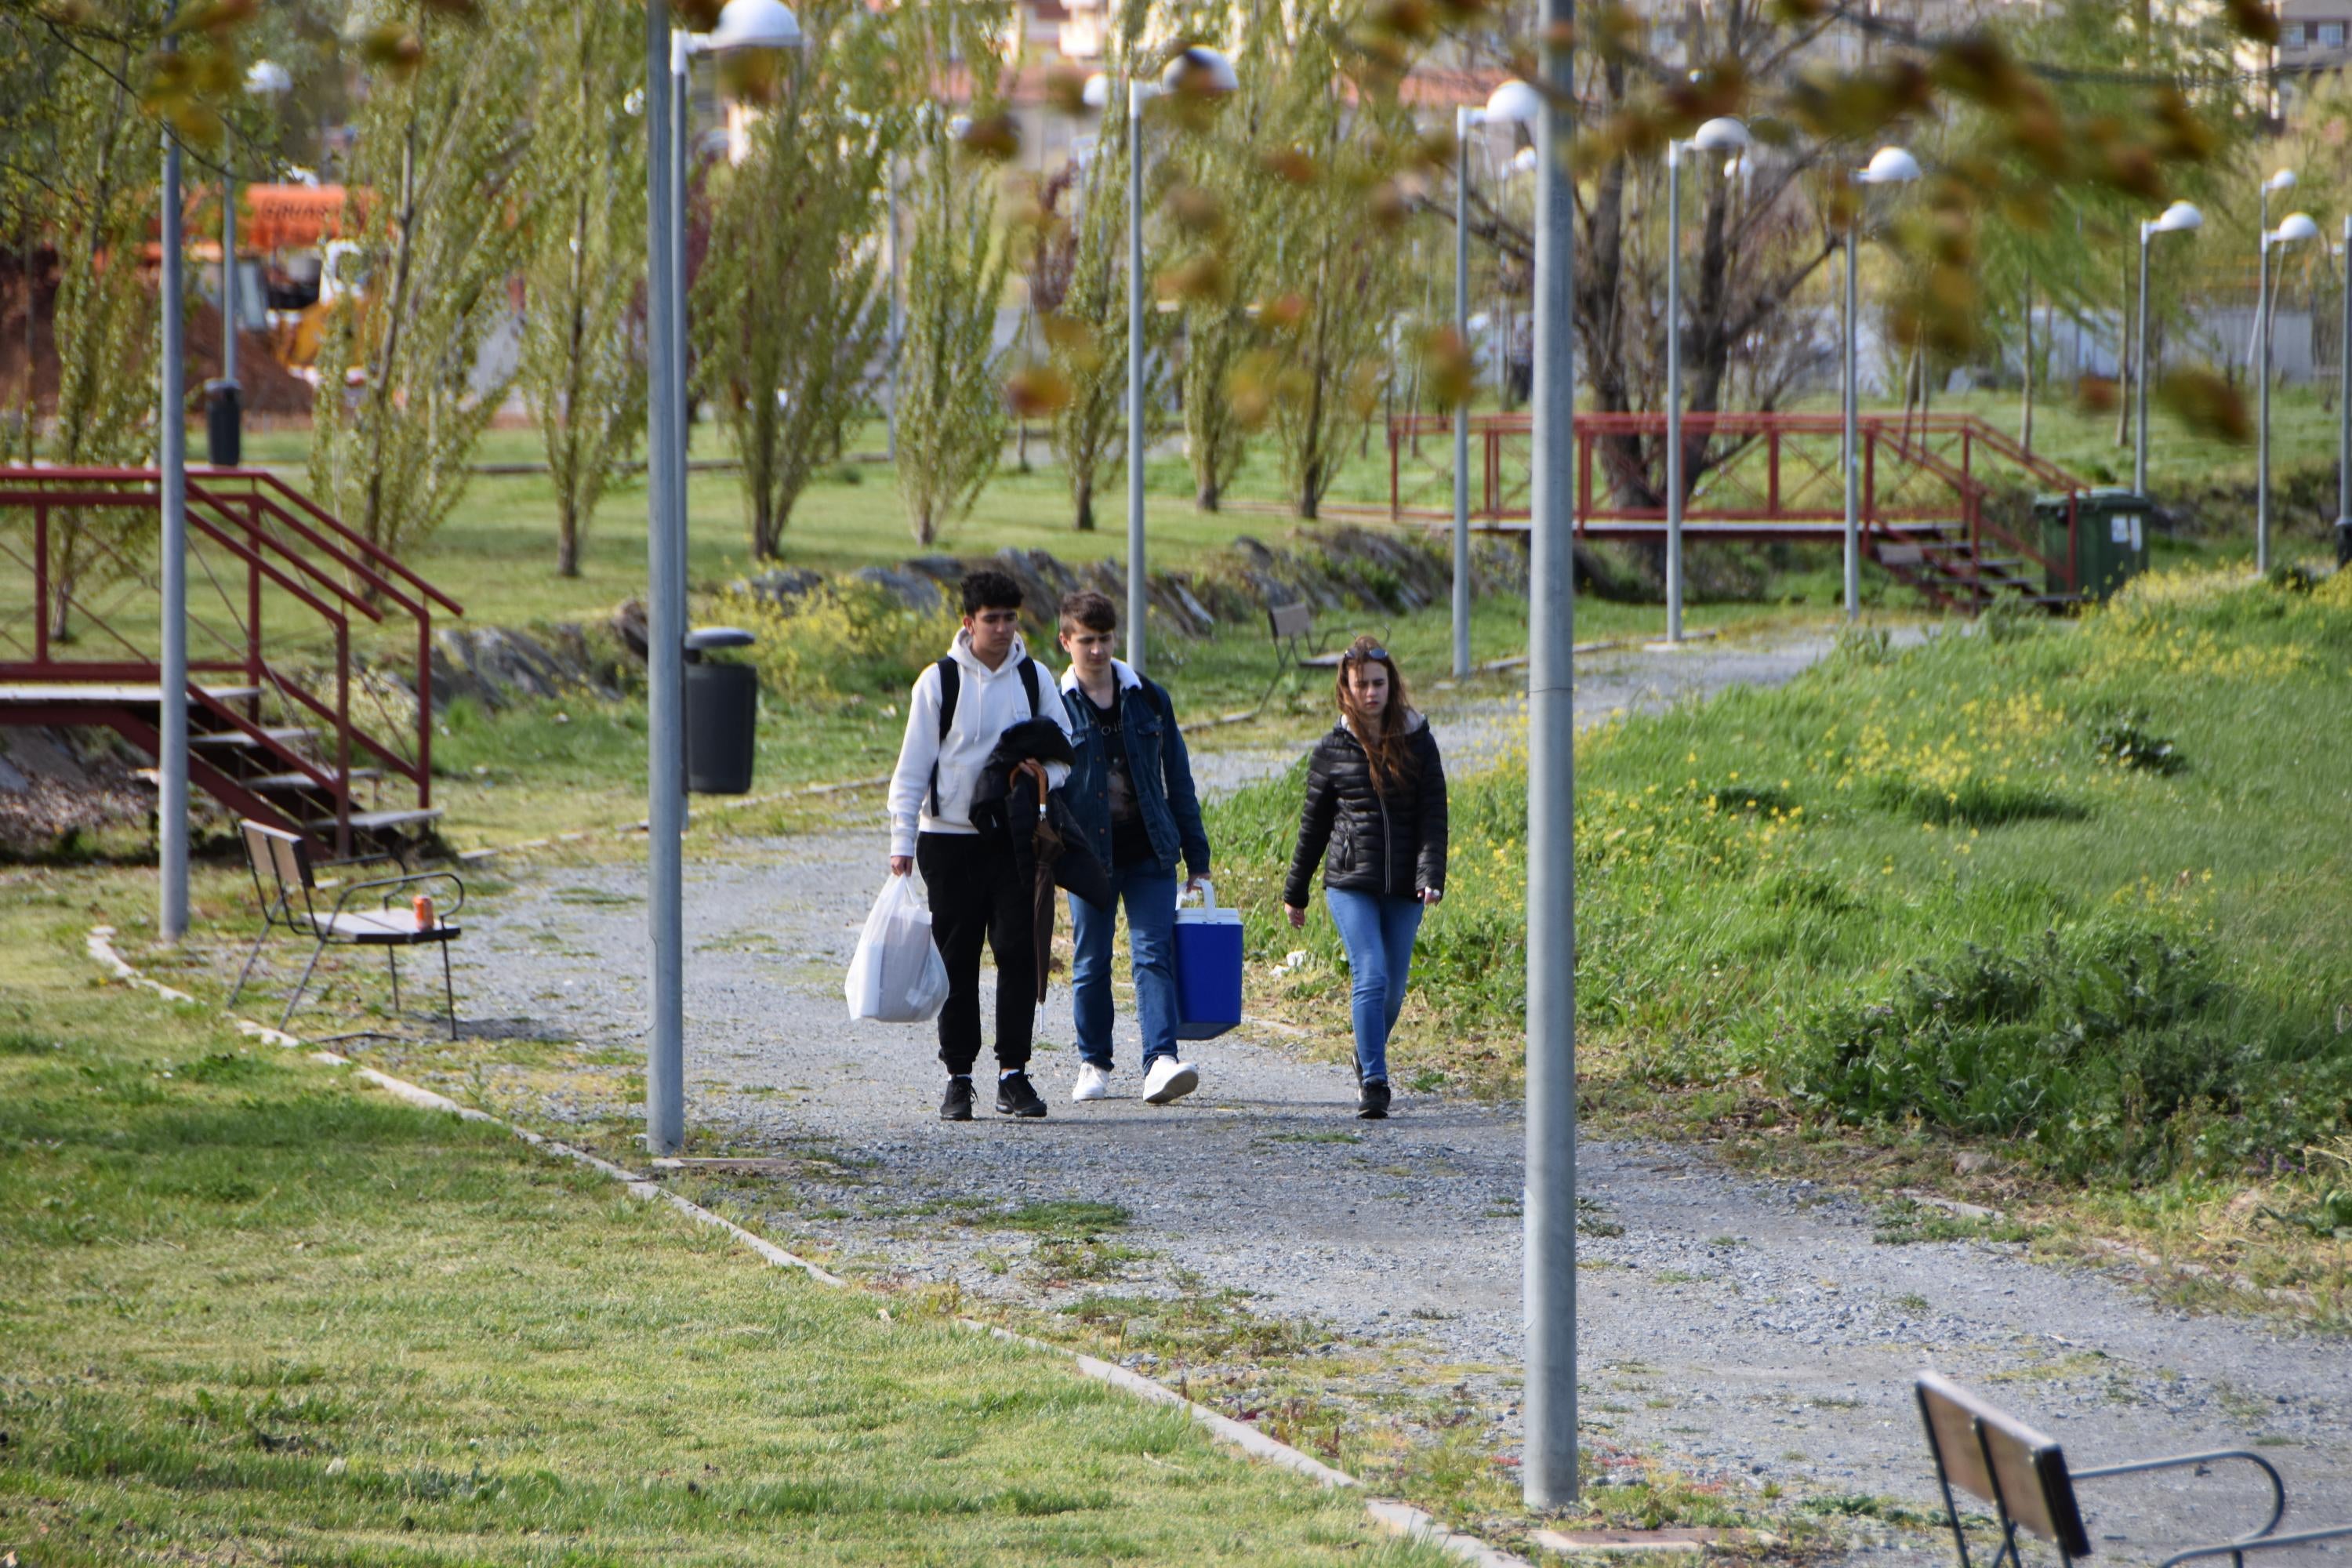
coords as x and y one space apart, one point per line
988 702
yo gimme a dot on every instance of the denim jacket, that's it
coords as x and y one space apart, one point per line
1157 765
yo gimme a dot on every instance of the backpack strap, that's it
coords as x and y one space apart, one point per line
950 688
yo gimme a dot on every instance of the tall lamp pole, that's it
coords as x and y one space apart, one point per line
2344 412
1205 72
1547 1465
2177 218
1464 117
1715 136
2293 228
1887 166
171 718
742 25
1138 599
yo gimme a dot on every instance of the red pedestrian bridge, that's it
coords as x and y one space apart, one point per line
1946 501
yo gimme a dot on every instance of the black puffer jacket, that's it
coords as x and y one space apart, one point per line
1391 841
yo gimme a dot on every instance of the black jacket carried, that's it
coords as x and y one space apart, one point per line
1390 842
1049 846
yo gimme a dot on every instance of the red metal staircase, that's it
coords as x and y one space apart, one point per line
1945 500
292 727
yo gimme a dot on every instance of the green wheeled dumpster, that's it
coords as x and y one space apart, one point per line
2106 537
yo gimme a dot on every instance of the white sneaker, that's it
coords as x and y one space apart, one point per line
1169 1080
1094 1083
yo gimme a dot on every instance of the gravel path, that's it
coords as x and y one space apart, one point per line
1746 1331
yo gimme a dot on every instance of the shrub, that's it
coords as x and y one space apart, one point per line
2085 1046
846 642
2121 737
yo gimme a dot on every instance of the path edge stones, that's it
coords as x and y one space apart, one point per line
1398 1518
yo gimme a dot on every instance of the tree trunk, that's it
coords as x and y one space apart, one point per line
2025 410
567 541
1085 521
1207 496
1310 489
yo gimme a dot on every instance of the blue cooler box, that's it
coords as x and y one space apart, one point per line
1208 969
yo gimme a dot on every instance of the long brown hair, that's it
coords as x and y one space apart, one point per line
1382 736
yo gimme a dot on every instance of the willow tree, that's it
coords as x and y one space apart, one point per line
97 164
1338 272
790 303
952 417
584 369
439 210
1225 154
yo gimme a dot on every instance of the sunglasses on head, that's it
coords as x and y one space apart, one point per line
1375 654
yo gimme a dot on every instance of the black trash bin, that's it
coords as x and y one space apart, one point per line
722 714
223 440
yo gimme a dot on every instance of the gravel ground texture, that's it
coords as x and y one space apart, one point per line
1749 1333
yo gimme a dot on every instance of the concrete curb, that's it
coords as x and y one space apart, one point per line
1398 1518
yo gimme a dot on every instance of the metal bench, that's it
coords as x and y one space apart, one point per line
281 860
1296 644
1994 1457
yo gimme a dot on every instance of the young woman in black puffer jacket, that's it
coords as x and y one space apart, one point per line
1376 801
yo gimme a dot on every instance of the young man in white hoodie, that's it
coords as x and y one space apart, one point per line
985 685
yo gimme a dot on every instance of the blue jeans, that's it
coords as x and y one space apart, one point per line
1377 931
1150 896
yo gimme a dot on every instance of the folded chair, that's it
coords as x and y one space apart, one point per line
281 861
2024 1476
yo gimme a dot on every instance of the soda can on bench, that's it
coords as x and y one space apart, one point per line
1208 969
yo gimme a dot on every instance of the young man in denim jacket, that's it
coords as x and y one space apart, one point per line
1131 793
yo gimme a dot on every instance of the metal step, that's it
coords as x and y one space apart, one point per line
304 780
284 734
379 821
135 696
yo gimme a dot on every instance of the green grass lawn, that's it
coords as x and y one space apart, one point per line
1963 896
256 1310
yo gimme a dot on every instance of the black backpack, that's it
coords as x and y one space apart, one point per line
951 687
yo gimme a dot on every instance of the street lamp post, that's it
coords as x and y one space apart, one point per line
1715 136
742 25
1464 117
1887 166
1513 103
2293 228
2344 413
1196 69
171 695
1547 1462
2280 182
2177 218
224 431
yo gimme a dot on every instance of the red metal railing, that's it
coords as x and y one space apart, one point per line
247 530
1768 476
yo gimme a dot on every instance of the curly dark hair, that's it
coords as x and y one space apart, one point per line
989 589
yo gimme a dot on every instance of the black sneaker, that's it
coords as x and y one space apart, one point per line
1372 1101
1015 1096
955 1105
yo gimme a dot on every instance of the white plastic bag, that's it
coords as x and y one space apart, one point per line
898 975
